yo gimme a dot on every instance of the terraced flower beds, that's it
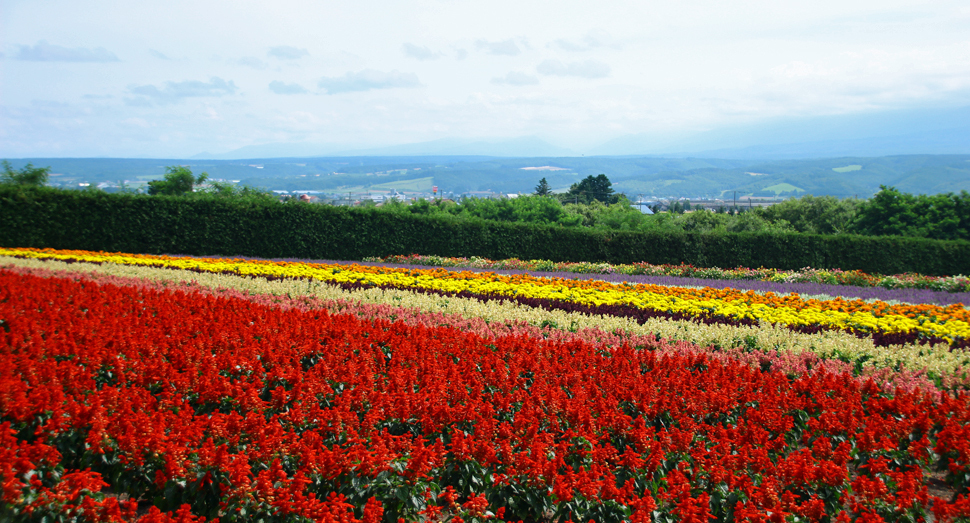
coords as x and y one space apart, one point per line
167 389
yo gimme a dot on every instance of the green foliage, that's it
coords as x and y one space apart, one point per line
526 209
422 207
749 222
940 216
210 225
819 215
619 216
543 188
592 188
178 180
28 175
228 190
705 221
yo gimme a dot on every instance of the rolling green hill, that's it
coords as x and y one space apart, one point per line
647 176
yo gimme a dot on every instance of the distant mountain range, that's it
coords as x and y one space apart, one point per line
936 131
916 151
516 147
943 141
887 133
529 146
270 150
649 176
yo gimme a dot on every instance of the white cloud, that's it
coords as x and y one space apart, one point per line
516 78
140 101
587 69
252 61
286 52
799 69
211 113
367 80
174 91
592 41
503 48
284 88
45 52
298 121
662 67
418 52
136 122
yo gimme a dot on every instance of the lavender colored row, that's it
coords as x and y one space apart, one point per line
805 289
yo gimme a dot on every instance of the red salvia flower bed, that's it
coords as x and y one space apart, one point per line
189 406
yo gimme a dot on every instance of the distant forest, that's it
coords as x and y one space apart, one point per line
647 177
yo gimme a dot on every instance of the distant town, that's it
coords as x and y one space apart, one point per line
645 181
645 203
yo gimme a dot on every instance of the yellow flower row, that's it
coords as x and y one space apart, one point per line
949 323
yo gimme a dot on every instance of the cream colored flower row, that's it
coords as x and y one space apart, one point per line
605 294
936 360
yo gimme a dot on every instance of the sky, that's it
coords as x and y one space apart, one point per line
174 78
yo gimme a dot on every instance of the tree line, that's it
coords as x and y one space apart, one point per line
592 203
178 181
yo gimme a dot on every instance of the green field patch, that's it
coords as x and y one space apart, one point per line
415 184
779 188
847 168
352 189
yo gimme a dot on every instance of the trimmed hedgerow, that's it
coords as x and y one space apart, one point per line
91 220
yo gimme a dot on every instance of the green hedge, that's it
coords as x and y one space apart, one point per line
93 220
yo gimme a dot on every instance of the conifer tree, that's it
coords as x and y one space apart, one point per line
543 188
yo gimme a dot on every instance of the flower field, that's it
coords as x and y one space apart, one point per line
156 388
956 283
893 322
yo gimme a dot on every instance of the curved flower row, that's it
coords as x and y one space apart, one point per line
228 408
957 283
908 365
951 323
